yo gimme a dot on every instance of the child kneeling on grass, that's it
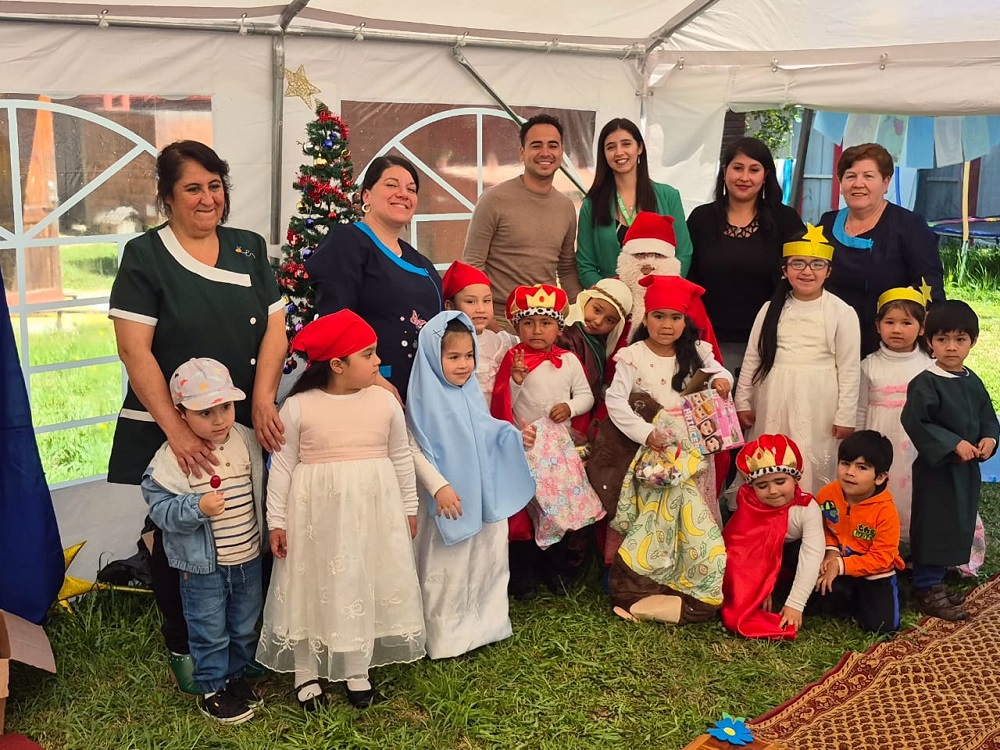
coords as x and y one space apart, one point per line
211 534
775 521
858 574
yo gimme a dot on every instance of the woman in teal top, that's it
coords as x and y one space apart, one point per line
621 190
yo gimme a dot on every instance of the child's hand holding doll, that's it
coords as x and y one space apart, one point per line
448 503
721 386
559 413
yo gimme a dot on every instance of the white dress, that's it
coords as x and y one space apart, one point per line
884 377
813 384
464 585
492 346
346 596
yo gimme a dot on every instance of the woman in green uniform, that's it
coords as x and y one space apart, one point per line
191 288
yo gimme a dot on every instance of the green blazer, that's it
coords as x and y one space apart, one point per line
597 247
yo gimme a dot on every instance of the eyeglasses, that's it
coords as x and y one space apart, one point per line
817 264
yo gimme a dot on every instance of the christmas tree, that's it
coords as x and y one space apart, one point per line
329 197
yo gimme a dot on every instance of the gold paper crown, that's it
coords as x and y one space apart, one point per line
765 459
813 245
769 454
541 299
901 292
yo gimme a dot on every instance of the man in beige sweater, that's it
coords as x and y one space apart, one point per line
523 232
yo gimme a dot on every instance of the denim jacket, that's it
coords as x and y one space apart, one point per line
187 532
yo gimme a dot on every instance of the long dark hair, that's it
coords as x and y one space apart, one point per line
685 351
316 375
768 199
767 346
603 186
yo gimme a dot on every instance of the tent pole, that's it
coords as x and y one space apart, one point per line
799 175
277 132
460 59
682 18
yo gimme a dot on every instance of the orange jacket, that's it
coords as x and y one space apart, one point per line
866 534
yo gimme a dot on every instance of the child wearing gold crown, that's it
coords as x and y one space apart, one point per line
801 369
540 383
669 565
772 514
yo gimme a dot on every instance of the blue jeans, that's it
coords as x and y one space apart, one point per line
221 610
926 576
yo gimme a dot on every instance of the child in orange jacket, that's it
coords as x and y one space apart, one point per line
858 573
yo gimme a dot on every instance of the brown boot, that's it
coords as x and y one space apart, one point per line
935 602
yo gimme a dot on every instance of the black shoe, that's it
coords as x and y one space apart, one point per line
362 698
241 690
524 592
225 708
313 703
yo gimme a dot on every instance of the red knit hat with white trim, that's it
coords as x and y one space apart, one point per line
651 233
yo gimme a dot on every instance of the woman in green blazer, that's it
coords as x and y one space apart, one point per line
621 190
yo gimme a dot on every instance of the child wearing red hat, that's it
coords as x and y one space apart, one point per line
341 506
672 559
542 384
774 520
468 290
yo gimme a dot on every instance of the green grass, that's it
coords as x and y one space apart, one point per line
88 268
572 676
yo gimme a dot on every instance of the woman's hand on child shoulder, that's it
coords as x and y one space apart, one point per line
279 543
448 503
842 432
212 504
518 371
560 413
747 419
790 616
529 433
722 386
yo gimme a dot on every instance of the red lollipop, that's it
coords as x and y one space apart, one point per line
215 481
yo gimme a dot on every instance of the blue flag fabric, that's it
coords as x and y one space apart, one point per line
31 557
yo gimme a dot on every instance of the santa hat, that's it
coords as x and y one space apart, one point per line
669 293
651 233
614 292
769 454
460 275
540 299
334 336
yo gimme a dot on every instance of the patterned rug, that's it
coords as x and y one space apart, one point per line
935 686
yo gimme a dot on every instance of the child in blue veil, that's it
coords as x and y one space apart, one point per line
472 475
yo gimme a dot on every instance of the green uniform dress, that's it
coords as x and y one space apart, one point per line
218 311
942 409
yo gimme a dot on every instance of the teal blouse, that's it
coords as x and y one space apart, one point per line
597 248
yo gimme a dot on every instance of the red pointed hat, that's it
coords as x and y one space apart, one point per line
540 299
669 293
651 233
460 275
769 454
333 336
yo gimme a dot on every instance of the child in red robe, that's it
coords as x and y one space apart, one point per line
774 521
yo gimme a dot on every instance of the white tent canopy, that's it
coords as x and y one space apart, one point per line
677 64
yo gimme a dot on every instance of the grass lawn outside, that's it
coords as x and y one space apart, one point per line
572 676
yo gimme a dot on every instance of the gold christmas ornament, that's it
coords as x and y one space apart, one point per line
319 161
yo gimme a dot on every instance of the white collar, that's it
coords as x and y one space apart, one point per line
188 262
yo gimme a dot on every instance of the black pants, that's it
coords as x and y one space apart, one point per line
167 591
875 604
559 567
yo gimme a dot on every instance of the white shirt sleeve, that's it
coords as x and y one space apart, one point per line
402 460
283 463
712 365
581 398
864 393
427 475
847 350
745 390
805 523
616 399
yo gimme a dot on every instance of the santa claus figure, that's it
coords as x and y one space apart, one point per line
649 248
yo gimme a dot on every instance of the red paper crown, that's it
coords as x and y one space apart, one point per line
769 454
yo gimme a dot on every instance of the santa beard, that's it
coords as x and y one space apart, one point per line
630 270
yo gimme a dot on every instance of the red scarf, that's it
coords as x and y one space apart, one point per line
519 528
754 538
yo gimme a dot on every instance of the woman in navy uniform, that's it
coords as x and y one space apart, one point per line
191 288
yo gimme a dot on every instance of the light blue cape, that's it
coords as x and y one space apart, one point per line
482 458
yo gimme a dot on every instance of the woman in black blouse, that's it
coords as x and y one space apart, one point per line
737 243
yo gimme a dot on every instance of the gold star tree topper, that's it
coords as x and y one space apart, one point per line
300 86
